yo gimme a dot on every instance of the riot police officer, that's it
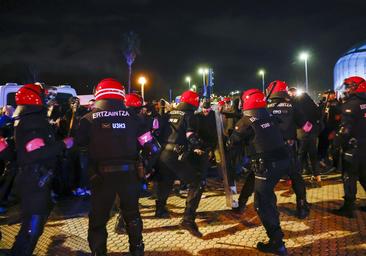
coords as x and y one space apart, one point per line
37 151
181 150
289 118
352 138
270 161
113 136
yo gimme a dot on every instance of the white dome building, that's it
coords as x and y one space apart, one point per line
352 63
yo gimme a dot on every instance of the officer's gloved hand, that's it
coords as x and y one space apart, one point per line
194 141
229 144
69 142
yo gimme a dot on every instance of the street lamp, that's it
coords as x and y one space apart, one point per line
142 81
261 72
188 80
304 56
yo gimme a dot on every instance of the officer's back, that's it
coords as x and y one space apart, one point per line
113 132
285 110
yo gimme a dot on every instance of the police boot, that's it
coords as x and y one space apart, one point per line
191 227
277 248
27 238
120 227
302 209
134 231
240 208
347 210
161 211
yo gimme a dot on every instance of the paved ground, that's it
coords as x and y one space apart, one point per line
224 232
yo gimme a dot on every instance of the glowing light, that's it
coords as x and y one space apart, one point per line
304 56
203 71
299 92
188 79
142 80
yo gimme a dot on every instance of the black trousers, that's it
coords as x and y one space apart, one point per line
189 171
104 189
7 181
36 205
353 171
307 148
294 172
265 200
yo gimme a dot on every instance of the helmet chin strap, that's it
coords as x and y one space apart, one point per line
270 92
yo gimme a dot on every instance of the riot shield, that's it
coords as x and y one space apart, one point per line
222 164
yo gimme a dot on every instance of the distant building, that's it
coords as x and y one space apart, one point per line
352 63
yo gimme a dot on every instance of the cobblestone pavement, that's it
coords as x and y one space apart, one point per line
225 233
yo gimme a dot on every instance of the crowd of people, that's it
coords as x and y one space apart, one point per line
118 147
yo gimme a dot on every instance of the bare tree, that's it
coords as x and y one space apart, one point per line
131 47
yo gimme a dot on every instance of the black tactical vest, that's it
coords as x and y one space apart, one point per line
179 122
267 141
282 109
113 134
177 128
355 107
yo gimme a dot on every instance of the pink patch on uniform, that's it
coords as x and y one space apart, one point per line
3 144
307 126
155 124
146 137
34 144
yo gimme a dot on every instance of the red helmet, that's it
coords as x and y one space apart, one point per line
190 97
253 99
278 86
30 94
361 88
133 100
221 103
355 84
226 99
109 88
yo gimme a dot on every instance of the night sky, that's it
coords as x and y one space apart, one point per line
79 42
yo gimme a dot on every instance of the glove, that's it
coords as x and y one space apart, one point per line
69 142
194 141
